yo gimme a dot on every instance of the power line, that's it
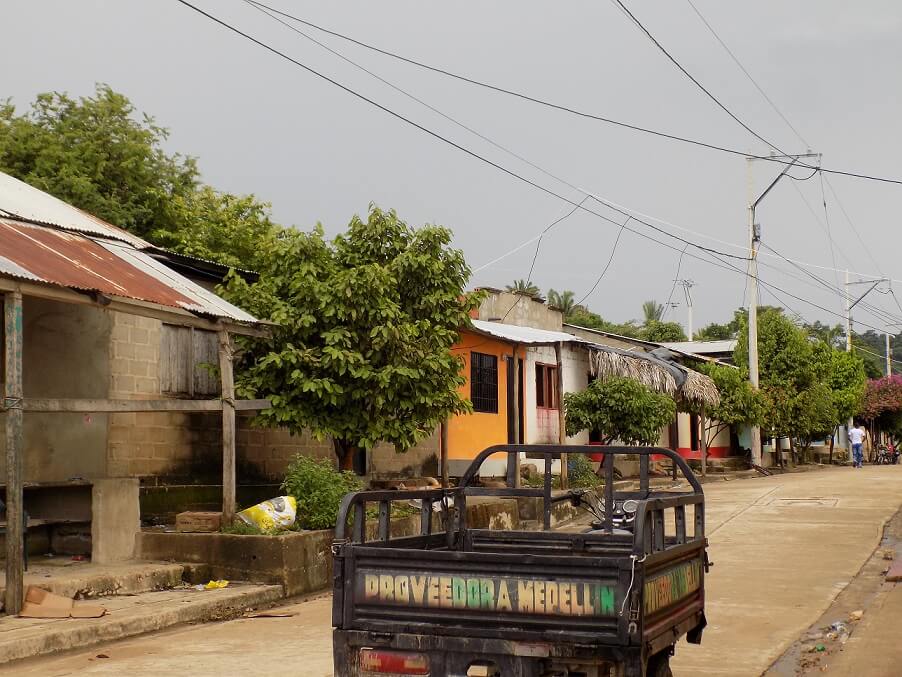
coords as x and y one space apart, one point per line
272 14
539 244
560 107
676 278
747 74
693 79
711 252
804 141
608 264
448 141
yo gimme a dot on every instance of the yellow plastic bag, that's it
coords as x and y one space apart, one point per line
216 585
268 515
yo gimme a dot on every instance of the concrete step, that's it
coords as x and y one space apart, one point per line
128 616
86 580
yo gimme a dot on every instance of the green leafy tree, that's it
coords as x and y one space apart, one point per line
652 311
715 332
583 317
230 229
740 403
362 350
96 153
662 332
832 335
563 301
620 409
99 154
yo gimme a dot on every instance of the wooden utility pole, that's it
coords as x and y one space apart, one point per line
228 427
561 422
513 470
703 424
443 453
15 514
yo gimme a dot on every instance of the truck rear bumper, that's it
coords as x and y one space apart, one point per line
453 656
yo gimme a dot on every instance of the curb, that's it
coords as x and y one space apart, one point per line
129 622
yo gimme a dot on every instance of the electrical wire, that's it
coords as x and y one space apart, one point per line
747 74
607 265
560 107
448 141
693 79
705 250
539 244
676 278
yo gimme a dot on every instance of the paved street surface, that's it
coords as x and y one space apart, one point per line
783 548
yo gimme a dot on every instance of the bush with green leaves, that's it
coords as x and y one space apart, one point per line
580 473
620 409
318 489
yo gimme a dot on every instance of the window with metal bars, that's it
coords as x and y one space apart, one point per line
484 382
547 395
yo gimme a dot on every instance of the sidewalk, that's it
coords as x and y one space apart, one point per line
873 649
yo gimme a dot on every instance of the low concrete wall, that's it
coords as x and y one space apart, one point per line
302 562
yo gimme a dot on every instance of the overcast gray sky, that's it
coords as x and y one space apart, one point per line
261 125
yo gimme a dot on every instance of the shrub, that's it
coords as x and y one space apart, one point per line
318 489
580 472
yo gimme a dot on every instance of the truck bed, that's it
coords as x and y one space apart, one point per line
601 593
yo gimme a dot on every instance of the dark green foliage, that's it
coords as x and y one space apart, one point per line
621 409
362 350
99 154
318 489
662 332
581 475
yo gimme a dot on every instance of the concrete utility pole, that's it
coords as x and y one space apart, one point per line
687 285
849 305
889 359
754 239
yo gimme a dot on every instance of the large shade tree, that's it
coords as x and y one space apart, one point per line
366 322
100 154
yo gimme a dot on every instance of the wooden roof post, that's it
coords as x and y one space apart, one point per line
561 423
15 546
443 453
703 424
228 427
513 459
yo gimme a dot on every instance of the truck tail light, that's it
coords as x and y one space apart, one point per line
393 662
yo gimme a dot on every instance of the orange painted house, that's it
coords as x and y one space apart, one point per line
488 368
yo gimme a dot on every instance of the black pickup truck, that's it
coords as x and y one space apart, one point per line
607 600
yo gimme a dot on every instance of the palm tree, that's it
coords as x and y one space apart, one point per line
653 311
524 287
563 301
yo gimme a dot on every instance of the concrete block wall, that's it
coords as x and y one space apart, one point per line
153 443
270 450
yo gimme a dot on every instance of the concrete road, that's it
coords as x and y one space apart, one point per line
783 548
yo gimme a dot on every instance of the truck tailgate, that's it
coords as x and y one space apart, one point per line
486 594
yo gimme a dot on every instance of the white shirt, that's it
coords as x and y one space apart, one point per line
856 435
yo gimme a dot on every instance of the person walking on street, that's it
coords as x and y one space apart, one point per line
856 437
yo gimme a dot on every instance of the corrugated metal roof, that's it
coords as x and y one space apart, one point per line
525 335
19 200
702 347
67 259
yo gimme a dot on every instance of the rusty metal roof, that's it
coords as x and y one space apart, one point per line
18 200
114 268
43 239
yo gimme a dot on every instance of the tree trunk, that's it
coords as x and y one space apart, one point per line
350 457
832 440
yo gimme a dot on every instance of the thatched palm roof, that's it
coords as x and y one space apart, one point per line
655 371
